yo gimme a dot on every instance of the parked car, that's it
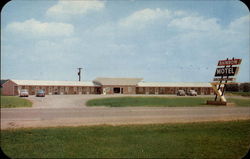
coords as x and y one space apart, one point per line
24 93
181 93
192 93
40 93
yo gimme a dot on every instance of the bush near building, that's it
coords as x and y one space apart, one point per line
245 87
242 87
233 88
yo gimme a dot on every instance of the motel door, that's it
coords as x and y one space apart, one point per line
55 90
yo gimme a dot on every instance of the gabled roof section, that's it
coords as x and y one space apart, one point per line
117 81
174 84
53 83
3 81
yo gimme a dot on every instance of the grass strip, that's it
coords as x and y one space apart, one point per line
160 101
244 102
13 102
193 140
246 94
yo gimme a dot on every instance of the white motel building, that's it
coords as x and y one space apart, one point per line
103 86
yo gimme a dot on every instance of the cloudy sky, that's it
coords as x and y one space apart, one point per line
161 40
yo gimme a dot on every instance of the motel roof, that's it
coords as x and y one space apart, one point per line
174 84
53 83
3 81
111 81
117 81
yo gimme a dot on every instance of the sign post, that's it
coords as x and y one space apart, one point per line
226 74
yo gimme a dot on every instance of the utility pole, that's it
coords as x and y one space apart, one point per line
79 73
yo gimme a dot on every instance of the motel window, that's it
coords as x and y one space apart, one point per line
80 89
117 90
130 89
162 89
107 89
140 89
75 88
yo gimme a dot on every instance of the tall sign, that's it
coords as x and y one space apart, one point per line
225 72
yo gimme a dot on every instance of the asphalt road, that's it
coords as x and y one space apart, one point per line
71 111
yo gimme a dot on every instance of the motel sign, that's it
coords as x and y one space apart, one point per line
229 62
225 72
228 71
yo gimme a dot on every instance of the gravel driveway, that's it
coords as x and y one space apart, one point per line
75 101
63 101
70 110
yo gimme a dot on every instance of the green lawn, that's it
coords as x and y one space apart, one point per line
160 101
246 94
13 101
194 140
240 101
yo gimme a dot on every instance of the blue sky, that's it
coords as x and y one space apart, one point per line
173 41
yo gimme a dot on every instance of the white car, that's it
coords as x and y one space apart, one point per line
192 93
24 93
181 93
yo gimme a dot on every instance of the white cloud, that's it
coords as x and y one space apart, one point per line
178 19
36 28
142 17
64 9
241 24
197 23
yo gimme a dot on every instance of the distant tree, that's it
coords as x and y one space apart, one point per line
245 87
232 87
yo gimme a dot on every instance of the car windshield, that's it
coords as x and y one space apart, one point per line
40 91
24 90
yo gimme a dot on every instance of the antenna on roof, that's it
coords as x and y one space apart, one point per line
79 73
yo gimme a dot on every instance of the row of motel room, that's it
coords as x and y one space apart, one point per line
103 86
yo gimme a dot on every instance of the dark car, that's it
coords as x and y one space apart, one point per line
181 93
40 93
